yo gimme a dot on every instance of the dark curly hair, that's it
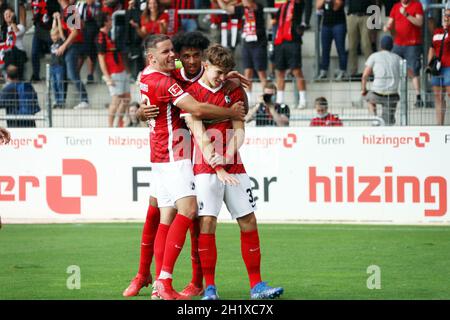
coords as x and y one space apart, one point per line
194 39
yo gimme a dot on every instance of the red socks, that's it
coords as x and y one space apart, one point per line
251 254
175 241
148 238
208 256
160 244
197 274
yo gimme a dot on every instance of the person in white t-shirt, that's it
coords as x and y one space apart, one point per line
385 66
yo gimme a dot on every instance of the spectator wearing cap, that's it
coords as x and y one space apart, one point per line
406 20
385 66
324 118
254 48
441 83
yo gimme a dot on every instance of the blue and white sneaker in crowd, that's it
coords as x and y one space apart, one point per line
262 291
210 293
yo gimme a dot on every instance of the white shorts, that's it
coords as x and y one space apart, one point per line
211 193
121 84
153 183
174 180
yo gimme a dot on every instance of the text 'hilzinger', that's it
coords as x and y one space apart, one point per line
388 188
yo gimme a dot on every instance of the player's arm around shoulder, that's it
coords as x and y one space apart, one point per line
209 111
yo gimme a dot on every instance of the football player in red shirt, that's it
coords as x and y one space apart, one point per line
211 164
189 47
170 154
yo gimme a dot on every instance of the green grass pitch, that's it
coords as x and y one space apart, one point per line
309 261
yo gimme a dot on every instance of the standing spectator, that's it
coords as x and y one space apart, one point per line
114 73
333 27
324 118
5 136
268 112
18 98
57 68
358 32
306 13
43 11
441 82
16 54
71 48
385 66
89 12
254 48
288 49
153 20
406 20
188 22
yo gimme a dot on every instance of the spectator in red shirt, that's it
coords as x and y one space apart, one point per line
406 20
441 82
114 73
324 118
153 20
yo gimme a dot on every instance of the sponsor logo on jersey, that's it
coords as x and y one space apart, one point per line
175 90
143 87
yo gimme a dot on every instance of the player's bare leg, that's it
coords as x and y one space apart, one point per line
176 236
251 253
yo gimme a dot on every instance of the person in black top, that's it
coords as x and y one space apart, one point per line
358 32
268 112
333 27
43 19
254 48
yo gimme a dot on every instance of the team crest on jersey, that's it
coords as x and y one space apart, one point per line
227 99
143 87
175 90
192 185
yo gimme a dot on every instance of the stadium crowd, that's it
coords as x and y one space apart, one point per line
78 32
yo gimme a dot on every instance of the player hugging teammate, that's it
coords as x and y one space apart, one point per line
219 173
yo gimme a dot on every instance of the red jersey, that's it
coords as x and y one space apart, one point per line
437 43
216 131
407 34
154 27
113 58
65 16
170 139
330 120
180 76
